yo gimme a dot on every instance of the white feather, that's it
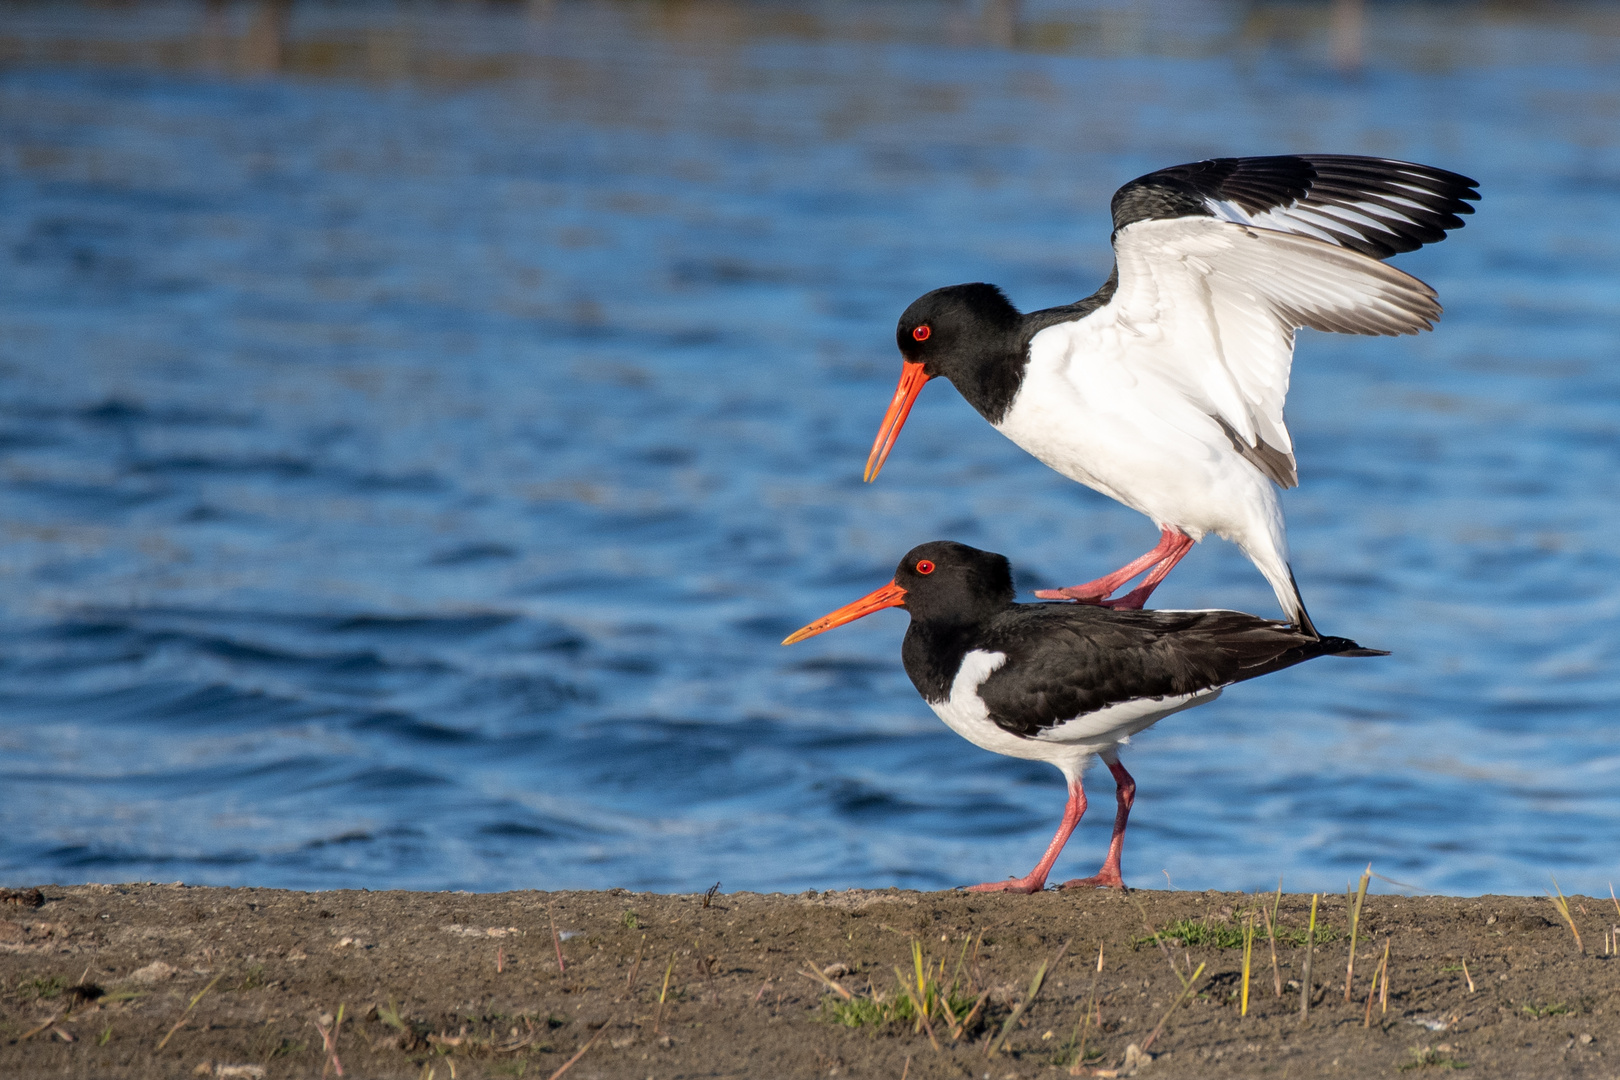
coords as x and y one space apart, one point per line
1131 400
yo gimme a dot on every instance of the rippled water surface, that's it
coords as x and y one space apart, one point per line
420 424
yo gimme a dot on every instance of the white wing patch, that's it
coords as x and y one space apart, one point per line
1223 300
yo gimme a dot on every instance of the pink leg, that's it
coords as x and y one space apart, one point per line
1094 592
1109 875
1133 600
1035 880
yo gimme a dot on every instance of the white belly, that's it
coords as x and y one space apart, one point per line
1086 414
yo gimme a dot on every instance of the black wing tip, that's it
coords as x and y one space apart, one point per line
1261 184
1461 190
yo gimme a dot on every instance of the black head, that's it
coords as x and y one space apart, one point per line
957 330
970 334
950 582
941 583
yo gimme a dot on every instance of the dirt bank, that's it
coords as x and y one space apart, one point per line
94 978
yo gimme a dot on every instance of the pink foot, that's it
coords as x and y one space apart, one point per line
1103 879
1085 594
1173 545
1138 597
1131 601
1030 884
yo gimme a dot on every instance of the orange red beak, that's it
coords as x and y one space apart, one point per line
891 595
912 380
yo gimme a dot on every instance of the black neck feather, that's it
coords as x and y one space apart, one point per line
992 384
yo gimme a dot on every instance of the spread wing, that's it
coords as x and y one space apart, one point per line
1210 307
1220 261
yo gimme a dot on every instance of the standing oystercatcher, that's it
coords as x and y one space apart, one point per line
1164 389
1061 682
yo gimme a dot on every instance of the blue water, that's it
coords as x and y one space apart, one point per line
419 424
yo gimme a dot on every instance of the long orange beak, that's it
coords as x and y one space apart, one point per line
891 595
912 381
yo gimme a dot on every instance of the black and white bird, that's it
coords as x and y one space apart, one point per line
1062 682
1165 389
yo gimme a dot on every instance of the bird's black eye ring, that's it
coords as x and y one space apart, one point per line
921 333
925 567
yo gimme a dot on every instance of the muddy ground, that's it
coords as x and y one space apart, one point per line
95 978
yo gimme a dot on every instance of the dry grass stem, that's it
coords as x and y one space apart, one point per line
569 1064
668 971
961 959
1083 1028
31 1032
556 943
815 974
635 968
183 1016
1383 994
1186 992
1372 992
1469 978
706 964
1305 975
1355 924
917 1005
967 1021
920 997
329 1038
1248 952
500 960
1563 909
1271 936
1029 998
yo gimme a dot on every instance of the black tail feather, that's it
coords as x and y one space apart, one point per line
1338 646
1308 649
1304 620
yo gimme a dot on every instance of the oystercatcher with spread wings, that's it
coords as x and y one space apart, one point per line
1164 390
1062 682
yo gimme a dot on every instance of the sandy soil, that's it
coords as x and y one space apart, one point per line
174 981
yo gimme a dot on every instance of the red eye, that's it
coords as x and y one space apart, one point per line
925 567
922 332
